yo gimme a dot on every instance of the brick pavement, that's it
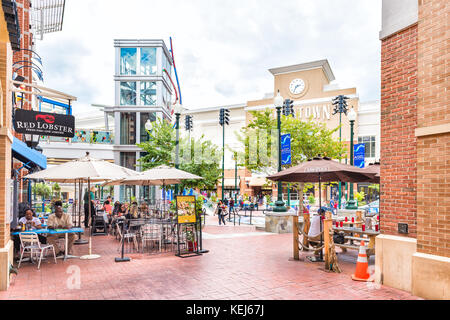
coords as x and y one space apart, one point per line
246 267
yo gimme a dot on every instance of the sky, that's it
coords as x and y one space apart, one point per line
223 49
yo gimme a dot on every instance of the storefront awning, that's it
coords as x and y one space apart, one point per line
28 156
257 182
229 183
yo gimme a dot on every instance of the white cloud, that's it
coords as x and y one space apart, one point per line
222 49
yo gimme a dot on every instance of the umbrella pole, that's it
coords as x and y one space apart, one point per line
80 196
90 255
164 200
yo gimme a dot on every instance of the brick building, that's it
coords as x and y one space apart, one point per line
20 20
413 253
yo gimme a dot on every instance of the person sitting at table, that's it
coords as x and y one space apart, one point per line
60 220
31 223
316 228
134 212
143 208
123 211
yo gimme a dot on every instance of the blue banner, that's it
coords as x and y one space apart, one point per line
359 152
286 149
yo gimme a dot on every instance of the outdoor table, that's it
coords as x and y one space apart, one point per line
56 231
370 233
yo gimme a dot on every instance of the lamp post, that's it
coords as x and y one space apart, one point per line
352 117
340 106
279 204
178 108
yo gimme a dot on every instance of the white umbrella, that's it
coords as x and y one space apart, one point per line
84 169
161 175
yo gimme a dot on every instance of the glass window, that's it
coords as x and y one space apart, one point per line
369 144
148 61
128 160
128 61
148 93
127 93
128 128
144 117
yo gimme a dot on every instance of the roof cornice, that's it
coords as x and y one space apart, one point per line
306 66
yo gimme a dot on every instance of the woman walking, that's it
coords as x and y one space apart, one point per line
220 210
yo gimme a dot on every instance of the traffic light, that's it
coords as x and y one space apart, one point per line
188 123
288 107
224 117
340 104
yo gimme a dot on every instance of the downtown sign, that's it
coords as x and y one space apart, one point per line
44 124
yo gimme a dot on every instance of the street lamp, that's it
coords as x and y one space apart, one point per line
32 140
279 204
178 109
148 125
352 117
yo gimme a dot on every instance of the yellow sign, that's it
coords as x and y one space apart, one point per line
186 209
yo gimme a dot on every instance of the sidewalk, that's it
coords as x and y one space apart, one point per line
242 263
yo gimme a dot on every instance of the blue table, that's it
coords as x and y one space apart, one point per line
56 231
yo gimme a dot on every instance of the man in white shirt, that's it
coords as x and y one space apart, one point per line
316 228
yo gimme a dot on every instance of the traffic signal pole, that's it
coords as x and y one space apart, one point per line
223 161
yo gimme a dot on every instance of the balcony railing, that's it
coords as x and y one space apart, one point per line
85 136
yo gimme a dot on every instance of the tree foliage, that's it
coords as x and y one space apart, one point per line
308 139
197 156
43 190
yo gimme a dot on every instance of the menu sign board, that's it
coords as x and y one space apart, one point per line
186 209
44 124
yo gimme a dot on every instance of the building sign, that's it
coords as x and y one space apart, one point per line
286 149
45 124
359 152
186 209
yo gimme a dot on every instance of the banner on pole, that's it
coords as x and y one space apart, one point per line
358 157
286 149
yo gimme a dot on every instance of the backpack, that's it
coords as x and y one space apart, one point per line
338 238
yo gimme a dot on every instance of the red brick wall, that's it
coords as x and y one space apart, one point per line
23 11
398 123
5 143
433 108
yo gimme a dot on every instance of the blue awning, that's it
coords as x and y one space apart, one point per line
28 156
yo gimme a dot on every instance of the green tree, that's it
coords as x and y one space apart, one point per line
197 156
42 190
308 139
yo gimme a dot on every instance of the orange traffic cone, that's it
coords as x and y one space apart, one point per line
362 265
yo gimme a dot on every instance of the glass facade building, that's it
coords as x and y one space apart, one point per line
142 92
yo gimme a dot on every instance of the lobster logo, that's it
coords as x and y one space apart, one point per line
47 118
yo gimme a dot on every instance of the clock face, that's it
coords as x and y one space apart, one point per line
297 86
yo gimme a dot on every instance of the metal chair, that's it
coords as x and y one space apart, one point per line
29 243
151 232
126 235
